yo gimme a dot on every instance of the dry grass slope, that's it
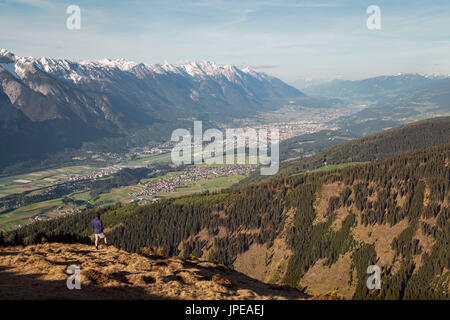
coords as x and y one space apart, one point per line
39 272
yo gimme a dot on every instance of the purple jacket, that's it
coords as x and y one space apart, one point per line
98 226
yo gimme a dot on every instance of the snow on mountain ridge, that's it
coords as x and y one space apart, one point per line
76 71
110 69
122 63
11 68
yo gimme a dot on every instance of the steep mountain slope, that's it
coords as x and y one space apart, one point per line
23 139
10 117
317 231
39 272
87 101
414 136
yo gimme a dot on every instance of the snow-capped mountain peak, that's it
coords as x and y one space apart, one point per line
6 56
4 52
122 63
8 63
194 75
77 71
70 102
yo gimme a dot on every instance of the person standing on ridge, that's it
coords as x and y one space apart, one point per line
98 230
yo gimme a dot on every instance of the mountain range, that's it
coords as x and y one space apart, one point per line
376 87
389 100
52 104
124 91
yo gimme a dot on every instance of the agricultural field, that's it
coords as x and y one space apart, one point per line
46 178
36 180
182 182
204 185
23 215
148 159
81 200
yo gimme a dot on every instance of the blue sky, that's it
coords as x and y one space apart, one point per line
290 39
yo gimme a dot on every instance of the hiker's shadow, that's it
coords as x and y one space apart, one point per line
16 286
8 253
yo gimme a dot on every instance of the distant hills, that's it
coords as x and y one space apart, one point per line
48 105
402 98
375 88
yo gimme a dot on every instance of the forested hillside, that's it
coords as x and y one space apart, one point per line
315 231
414 136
